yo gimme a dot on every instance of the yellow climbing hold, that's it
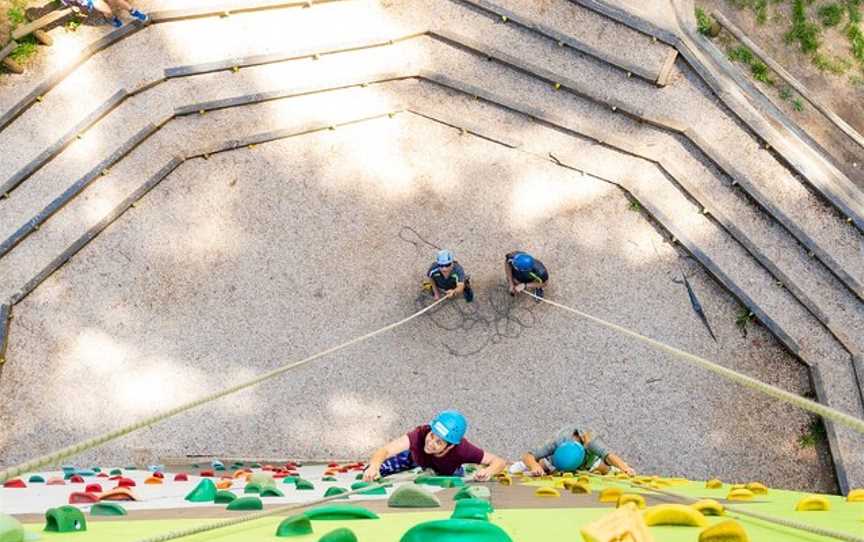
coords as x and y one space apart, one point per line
583 479
621 475
622 524
855 495
813 503
638 500
559 484
567 475
708 507
740 494
757 488
674 514
506 480
547 492
738 486
725 531
714 483
580 488
610 494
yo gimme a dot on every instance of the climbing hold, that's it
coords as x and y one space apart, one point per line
82 497
76 479
738 486
335 491
153 480
440 481
181 477
158 474
472 492
340 512
206 473
225 484
205 491
708 507
118 494
290 479
339 535
713 483
11 530
217 465
813 503
333 465
373 491
93 488
580 488
506 481
102 475
623 523
360 477
300 483
223 497
252 488
472 509
65 519
55 482
638 500
674 514
740 494
116 472
559 484
547 492
610 494
455 530
725 531
246 503
294 526
855 495
272 492
126 482
107 509
412 496
36 479
329 479
17 482
583 479
757 488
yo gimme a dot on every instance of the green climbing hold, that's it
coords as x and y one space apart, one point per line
290 479
241 464
456 530
224 497
262 479
472 492
359 476
329 479
246 503
205 491
116 472
300 483
65 519
253 465
272 492
294 526
373 491
107 509
472 509
36 479
412 496
340 512
196 466
339 535
252 488
11 530
440 481
335 490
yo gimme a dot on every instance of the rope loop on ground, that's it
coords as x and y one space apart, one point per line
75 449
801 402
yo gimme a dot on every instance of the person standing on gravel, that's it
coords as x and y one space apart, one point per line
525 271
571 449
440 445
109 9
446 275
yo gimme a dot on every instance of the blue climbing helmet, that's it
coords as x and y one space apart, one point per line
450 426
523 262
444 257
568 456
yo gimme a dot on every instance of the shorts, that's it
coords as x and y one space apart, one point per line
402 462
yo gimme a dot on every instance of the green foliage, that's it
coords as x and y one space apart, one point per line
785 94
16 16
703 21
798 105
856 80
741 54
806 33
634 206
831 14
856 39
814 434
25 50
852 6
760 72
834 64
742 318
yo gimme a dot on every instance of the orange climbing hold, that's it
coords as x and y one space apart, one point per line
83 497
152 480
224 484
118 494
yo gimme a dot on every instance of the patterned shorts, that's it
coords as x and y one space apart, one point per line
402 462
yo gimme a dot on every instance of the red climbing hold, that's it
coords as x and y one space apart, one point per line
181 477
17 482
76 479
207 473
101 475
116 477
93 488
333 465
158 474
268 467
125 482
82 497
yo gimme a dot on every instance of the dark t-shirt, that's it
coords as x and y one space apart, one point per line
537 273
457 275
462 453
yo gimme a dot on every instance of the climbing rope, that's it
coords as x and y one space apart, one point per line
670 496
773 391
220 524
59 455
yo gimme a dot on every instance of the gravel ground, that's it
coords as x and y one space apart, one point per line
133 312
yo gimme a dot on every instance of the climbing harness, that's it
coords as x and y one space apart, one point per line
171 535
55 457
773 391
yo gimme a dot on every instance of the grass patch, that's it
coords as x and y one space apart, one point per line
856 40
634 206
741 54
760 71
785 94
856 81
833 64
814 434
831 14
852 7
798 105
742 319
25 50
703 21
807 34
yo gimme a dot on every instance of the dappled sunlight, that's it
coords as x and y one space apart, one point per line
96 351
149 386
539 195
98 204
355 423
